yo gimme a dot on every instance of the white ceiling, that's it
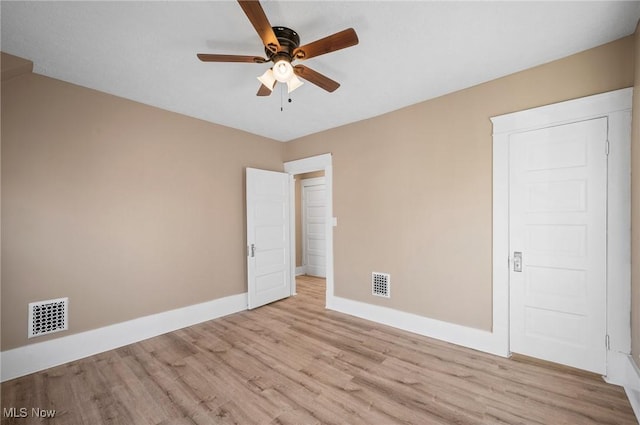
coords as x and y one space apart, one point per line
408 52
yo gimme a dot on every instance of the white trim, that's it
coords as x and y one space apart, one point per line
632 386
563 112
301 270
501 240
621 371
308 165
625 372
619 231
634 400
456 334
616 106
43 355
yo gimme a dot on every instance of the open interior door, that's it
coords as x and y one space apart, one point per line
268 257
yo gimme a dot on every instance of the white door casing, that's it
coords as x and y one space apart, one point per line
323 163
313 226
616 106
557 227
268 241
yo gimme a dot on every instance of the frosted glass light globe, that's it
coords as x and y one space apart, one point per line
282 71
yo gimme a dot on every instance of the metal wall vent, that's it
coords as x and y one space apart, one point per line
381 284
49 316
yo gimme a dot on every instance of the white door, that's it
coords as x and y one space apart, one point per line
268 247
313 225
557 219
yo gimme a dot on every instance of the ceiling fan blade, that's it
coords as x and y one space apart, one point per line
258 19
337 41
206 57
264 90
316 78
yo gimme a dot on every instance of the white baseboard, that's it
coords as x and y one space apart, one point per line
465 336
301 270
619 369
634 375
43 355
632 386
634 399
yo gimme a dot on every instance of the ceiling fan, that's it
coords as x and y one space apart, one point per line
282 47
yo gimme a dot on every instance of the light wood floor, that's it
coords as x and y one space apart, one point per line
293 362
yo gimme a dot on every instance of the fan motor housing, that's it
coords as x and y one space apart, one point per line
289 41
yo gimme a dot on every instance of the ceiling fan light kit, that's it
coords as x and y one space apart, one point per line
282 47
282 71
293 83
268 79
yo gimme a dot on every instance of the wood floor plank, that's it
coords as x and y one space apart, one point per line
294 362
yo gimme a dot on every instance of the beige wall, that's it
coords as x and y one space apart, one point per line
635 208
298 209
412 188
126 209
13 66
130 210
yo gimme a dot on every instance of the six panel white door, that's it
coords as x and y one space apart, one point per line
313 221
558 198
268 262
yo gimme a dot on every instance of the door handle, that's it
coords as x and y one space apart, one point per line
517 261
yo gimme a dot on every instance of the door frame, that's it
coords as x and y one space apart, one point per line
307 165
616 106
314 181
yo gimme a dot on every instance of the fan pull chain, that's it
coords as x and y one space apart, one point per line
282 98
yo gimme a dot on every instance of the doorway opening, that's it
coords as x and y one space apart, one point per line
320 165
310 205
